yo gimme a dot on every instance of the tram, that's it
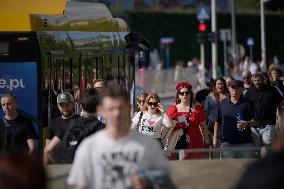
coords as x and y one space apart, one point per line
46 50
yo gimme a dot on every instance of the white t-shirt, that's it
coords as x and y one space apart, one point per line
105 163
150 125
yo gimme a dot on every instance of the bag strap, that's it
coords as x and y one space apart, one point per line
140 118
278 90
139 121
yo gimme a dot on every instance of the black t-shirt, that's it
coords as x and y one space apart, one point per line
90 124
201 95
14 136
279 86
227 116
265 101
59 124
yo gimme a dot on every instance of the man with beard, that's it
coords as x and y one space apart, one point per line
265 99
65 103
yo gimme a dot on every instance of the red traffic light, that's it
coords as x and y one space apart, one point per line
202 27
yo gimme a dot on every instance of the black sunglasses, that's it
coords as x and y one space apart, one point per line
183 93
155 104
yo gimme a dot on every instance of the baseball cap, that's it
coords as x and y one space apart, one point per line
65 97
236 83
209 81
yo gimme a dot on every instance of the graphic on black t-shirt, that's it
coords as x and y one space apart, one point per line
117 167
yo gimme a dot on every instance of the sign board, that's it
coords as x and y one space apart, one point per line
225 35
21 80
203 13
250 41
167 40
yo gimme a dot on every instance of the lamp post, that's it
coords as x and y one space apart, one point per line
214 43
262 28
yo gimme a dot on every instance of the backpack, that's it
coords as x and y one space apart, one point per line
76 133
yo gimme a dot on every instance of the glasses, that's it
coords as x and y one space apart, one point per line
155 104
183 93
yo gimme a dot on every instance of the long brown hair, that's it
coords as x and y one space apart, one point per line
215 90
190 99
151 96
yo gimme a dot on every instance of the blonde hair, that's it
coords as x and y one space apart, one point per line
141 96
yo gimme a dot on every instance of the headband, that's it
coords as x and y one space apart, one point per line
181 84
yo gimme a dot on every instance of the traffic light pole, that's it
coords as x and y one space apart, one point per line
202 61
214 42
262 27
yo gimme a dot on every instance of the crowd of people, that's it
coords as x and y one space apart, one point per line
104 139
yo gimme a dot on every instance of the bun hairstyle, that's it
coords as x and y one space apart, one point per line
151 96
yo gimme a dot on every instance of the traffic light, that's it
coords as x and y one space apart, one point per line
212 37
201 37
202 27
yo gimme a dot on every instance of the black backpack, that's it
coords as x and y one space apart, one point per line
76 133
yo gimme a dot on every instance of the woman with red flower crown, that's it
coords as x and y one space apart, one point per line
190 130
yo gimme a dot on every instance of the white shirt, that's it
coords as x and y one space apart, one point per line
150 125
105 163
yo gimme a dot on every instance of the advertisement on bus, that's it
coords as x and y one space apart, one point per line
21 80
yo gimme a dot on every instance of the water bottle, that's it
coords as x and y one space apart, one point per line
239 119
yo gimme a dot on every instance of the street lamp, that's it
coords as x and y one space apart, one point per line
262 28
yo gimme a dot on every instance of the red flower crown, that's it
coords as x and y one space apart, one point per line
180 84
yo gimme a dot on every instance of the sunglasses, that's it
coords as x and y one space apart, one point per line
140 101
155 104
184 93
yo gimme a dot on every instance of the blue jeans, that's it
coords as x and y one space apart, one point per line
237 154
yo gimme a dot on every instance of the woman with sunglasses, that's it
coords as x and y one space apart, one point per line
190 130
154 118
219 92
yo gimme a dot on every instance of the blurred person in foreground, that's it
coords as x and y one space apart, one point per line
18 171
114 157
267 172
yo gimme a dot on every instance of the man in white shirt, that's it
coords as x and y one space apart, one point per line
114 157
